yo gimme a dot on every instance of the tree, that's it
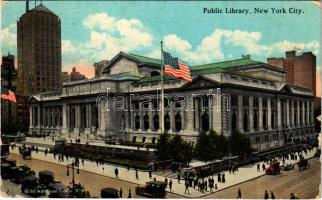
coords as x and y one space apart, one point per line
163 150
180 150
204 147
239 144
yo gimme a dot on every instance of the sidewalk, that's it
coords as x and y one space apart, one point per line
245 173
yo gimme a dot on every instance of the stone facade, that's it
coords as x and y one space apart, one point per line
125 103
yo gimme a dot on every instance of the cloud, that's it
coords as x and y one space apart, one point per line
8 37
67 46
100 21
108 36
210 48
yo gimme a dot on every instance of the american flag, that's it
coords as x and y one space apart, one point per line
176 68
8 95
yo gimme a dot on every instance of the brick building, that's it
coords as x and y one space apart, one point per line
301 69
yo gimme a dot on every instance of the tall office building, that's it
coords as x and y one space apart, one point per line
39 51
300 69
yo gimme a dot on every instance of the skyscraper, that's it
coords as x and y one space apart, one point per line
39 51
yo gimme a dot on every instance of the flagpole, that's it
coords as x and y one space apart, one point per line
162 90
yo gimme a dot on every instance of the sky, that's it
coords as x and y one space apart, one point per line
97 30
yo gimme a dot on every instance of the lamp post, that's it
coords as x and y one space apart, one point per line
73 165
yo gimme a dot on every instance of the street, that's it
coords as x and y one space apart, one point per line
304 184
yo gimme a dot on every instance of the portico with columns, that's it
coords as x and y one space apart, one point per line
268 111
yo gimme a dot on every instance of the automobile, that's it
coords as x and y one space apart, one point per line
273 168
5 170
109 192
57 190
11 162
46 177
30 186
19 172
152 189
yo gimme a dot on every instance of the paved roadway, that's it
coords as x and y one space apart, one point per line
304 184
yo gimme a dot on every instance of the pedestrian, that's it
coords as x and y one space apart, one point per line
179 177
266 195
205 185
46 151
116 172
166 182
216 187
195 183
130 195
150 173
239 195
36 149
186 187
258 167
103 169
292 196
219 177
121 193
263 166
154 179
136 174
272 195
83 162
128 167
223 178
170 185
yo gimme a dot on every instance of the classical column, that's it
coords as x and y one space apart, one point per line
197 114
217 106
240 114
287 113
260 113
312 112
65 120
172 116
53 113
88 127
251 114
151 124
102 122
77 119
269 114
189 116
31 117
303 113
292 113
298 113
279 113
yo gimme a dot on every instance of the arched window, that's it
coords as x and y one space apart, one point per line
146 122
255 120
245 121
234 122
178 122
137 122
156 123
166 122
205 122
